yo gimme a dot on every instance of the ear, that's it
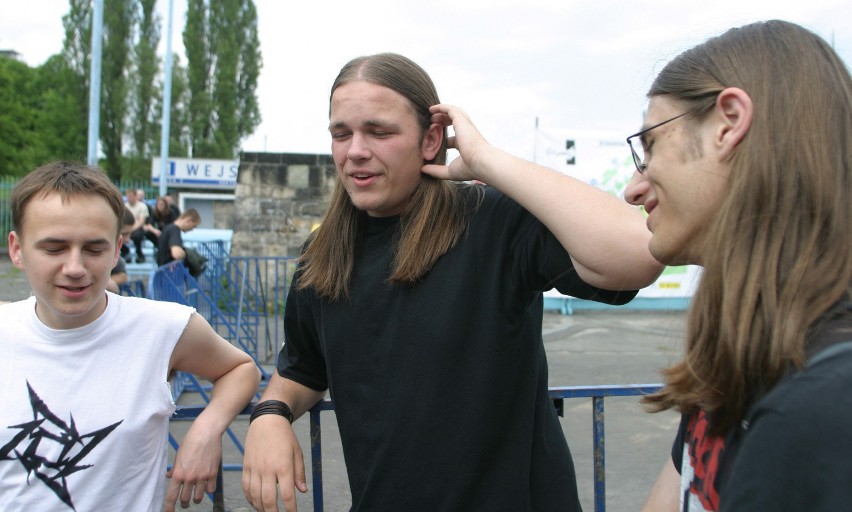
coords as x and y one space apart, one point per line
734 109
15 250
432 140
117 254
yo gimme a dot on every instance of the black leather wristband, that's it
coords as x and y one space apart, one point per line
276 407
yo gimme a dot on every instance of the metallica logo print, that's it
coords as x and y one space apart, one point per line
700 465
50 449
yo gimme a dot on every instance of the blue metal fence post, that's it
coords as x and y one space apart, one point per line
316 458
600 455
219 493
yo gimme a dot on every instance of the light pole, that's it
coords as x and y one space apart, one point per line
95 81
167 104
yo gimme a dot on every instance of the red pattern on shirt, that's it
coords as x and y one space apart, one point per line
705 451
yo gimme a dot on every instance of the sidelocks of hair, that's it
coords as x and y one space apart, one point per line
779 246
68 179
435 217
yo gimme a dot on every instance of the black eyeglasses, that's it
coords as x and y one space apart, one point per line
639 155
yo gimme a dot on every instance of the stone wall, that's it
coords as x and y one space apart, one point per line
223 213
280 197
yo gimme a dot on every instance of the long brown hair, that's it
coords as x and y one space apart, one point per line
434 218
781 238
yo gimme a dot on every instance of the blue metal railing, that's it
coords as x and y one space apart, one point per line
241 297
172 282
596 393
134 288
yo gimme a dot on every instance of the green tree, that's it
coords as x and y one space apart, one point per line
213 105
77 46
178 125
179 131
119 24
39 118
224 61
18 144
195 37
147 91
248 107
119 27
62 117
73 78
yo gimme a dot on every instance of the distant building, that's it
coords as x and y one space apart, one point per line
279 199
10 54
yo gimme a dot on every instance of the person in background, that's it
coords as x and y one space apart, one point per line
140 194
140 212
172 206
118 274
744 167
161 216
418 305
85 407
170 245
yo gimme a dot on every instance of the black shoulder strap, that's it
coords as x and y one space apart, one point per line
830 351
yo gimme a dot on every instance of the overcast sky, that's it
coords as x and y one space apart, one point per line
582 65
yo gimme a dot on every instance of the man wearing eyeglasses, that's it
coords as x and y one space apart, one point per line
686 196
745 169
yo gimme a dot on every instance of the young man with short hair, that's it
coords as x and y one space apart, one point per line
170 244
86 401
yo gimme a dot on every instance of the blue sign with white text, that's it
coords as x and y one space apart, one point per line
197 173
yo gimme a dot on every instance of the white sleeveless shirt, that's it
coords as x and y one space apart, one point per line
84 413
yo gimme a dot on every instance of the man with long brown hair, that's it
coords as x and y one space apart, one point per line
418 305
744 169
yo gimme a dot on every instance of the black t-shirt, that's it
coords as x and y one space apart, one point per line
160 221
119 268
440 388
793 451
170 236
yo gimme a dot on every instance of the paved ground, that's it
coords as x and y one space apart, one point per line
588 348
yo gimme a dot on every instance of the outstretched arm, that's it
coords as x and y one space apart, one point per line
273 460
606 237
204 353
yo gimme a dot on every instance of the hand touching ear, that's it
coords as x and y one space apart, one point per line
467 140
